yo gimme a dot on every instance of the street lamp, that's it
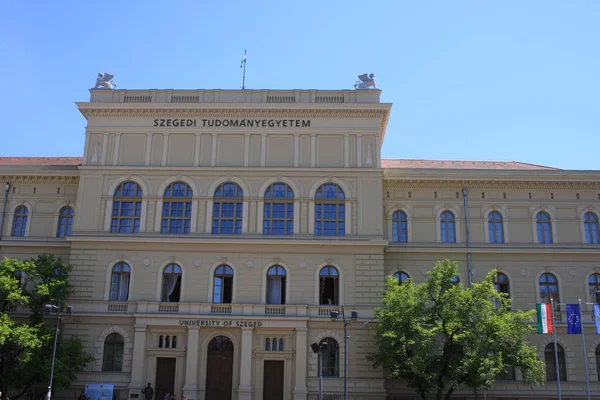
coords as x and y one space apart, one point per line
6 190
353 317
318 349
52 309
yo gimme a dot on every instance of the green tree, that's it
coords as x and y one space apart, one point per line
439 336
26 342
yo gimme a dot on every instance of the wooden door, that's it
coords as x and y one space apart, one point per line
219 369
273 380
165 377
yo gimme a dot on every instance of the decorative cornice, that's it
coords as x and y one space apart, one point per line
27 179
481 184
235 113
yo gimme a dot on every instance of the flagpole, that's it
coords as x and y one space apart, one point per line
555 352
585 364
244 74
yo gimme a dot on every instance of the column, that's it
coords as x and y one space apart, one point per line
296 149
190 386
313 149
245 388
300 390
148 154
138 381
117 149
213 150
346 150
359 150
246 149
263 149
197 139
86 147
104 148
165 149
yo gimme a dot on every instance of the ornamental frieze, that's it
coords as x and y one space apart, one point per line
400 184
61 180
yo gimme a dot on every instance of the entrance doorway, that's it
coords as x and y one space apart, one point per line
165 377
219 369
273 380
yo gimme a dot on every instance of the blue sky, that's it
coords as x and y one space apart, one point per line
475 80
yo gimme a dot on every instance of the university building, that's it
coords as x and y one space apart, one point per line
213 232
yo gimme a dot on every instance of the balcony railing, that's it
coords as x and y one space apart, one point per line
91 307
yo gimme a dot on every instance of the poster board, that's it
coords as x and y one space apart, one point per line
99 391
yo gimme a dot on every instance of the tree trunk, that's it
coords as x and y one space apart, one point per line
449 393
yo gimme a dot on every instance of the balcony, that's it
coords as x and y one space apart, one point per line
93 307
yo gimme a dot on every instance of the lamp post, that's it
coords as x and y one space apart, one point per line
51 309
318 349
353 317
6 190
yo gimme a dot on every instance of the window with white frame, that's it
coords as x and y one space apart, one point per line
223 285
495 227
276 285
171 283
127 208
228 203
177 208
399 227
119 282
330 211
447 227
592 229
278 215
19 227
544 227
65 222
329 282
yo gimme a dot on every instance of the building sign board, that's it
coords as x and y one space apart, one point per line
231 123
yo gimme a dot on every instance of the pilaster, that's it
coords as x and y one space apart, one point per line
136 384
245 388
300 389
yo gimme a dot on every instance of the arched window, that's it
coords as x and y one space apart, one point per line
177 208
276 281
280 344
119 282
495 227
329 285
598 361
171 287
399 227
455 279
330 211
19 227
330 357
549 292
112 359
551 362
228 204
544 227
65 222
278 216
160 342
592 229
223 285
401 276
594 285
268 344
447 227
127 208
501 283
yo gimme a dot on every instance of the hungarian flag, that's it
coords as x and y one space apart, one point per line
544 318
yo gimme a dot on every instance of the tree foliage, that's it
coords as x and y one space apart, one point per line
439 336
26 341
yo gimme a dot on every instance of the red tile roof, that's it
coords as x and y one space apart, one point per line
385 163
458 164
40 161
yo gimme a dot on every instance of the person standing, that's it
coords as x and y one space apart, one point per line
148 392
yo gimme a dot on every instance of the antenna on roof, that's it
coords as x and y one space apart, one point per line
243 65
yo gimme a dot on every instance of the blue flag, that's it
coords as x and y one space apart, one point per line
573 319
597 318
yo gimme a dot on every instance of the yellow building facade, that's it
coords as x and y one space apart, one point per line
213 232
